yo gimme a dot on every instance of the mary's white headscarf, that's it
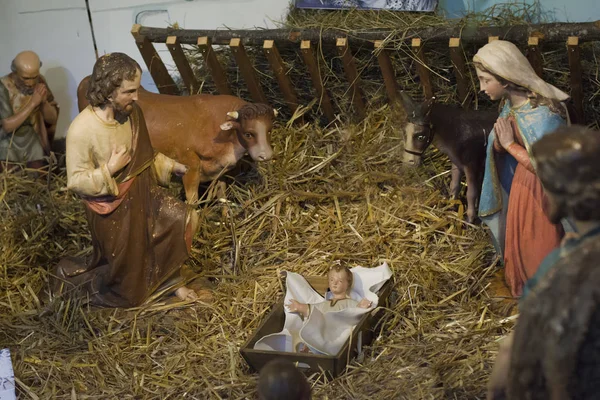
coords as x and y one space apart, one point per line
504 59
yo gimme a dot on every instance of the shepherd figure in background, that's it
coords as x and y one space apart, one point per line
141 236
28 114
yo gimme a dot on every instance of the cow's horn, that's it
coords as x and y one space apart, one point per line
233 114
275 113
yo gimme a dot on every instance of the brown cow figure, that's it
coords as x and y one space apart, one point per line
207 133
460 134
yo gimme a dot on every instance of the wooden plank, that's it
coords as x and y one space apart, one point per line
576 77
457 56
187 74
422 69
534 55
352 76
310 60
247 70
164 82
387 70
285 84
216 70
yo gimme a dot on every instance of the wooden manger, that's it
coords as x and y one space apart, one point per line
317 47
362 335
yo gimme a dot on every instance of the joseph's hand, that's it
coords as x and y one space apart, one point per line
119 158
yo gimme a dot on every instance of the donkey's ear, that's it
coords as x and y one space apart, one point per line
426 107
410 108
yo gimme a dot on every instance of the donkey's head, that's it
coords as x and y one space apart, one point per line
418 134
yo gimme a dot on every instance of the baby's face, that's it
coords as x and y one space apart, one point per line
338 282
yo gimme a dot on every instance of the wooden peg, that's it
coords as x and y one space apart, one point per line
213 64
285 84
185 70
387 70
460 71
352 76
310 60
422 69
247 70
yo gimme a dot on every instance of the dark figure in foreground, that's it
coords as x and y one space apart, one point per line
280 379
553 352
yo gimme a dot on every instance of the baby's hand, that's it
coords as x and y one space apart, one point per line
297 307
364 303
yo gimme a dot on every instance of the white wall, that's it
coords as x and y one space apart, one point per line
59 31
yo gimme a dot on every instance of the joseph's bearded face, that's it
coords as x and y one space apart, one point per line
124 97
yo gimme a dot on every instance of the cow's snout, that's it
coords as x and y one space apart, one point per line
261 155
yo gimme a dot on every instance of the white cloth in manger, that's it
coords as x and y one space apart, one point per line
324 332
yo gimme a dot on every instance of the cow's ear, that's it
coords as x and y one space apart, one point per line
226 126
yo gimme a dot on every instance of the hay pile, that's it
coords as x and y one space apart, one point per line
554 55
330 195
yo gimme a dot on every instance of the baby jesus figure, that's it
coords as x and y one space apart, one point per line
340 282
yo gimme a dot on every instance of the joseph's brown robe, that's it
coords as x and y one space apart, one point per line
140 235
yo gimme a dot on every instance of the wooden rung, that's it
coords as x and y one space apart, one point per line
422 70
310 60
213 64
285 84
534 55
352 76
492 38
164 82
247 70
460 71
574 53
185 70
389 75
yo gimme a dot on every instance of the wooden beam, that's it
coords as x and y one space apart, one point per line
387 70
352 77
216 70
164 82
534 55
247 70
422 69
457 56
576 77
285 84
185 70
310 60
552 33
